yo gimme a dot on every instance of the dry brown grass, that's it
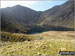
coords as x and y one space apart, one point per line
50 44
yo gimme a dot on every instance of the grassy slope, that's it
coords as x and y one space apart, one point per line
46 43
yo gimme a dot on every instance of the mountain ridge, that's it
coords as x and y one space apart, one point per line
30 20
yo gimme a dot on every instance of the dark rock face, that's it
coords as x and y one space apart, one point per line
23 19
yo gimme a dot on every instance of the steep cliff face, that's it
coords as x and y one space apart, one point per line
19 18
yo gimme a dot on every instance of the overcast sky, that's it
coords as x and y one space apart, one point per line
36 5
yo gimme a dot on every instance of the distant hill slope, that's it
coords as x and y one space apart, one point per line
23 19
60 15
9 24
21 14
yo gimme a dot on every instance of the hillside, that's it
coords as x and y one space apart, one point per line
44 44
18 17
11 25
60 15
23 19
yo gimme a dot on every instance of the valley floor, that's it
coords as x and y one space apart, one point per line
45 43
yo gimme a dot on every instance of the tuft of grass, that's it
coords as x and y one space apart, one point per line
15 37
